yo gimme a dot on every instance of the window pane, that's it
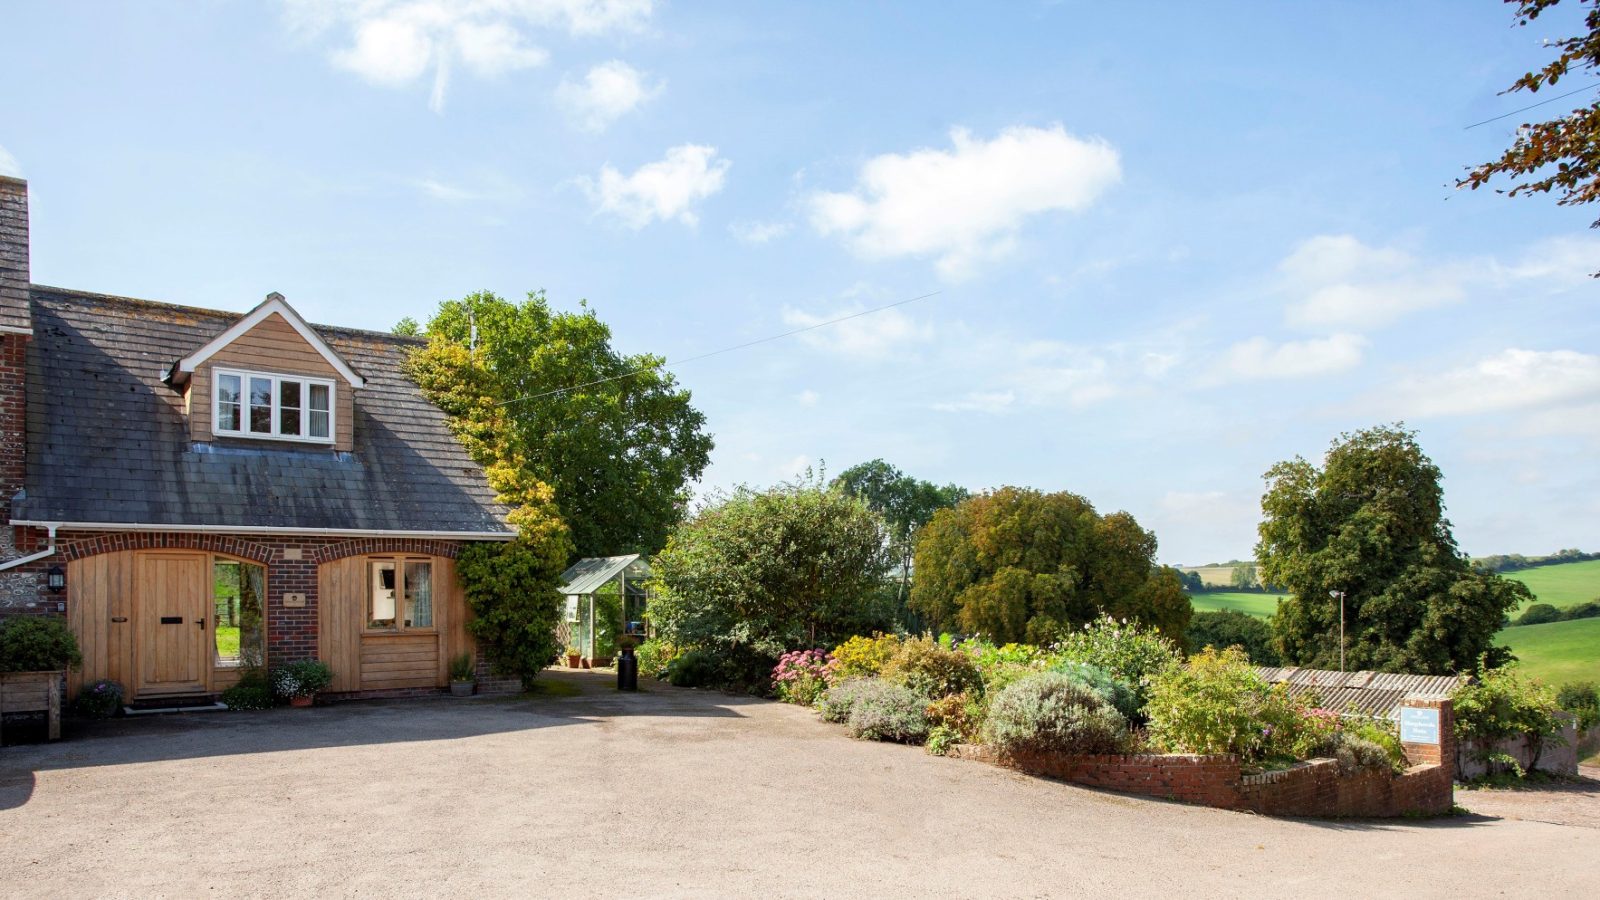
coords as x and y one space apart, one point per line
289 407
380 607
319 424
319 396
238 603
261 405
227 403
419 594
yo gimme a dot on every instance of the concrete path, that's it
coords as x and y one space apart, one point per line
669 793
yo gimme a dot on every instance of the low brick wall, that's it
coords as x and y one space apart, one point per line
1317 788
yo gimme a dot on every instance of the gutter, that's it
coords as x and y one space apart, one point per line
48 551
250 529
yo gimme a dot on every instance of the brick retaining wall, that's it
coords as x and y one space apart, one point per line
1317 788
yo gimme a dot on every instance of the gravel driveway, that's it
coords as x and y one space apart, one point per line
667 793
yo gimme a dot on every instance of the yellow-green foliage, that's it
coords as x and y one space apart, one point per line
864 657
933 671
1218 704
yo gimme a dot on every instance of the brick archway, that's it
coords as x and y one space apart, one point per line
362 546
74 548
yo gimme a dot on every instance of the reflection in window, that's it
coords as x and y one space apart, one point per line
228 403
419 594
380 608
239 603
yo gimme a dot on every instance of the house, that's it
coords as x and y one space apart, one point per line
220 490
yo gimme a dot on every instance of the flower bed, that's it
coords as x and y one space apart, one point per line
1113 706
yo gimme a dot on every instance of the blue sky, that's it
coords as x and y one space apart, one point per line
1173 243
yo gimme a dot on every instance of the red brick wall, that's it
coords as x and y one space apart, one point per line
1317 788
291 631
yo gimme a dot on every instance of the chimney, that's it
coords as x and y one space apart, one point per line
16 327
15 308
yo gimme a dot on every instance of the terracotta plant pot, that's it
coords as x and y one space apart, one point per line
462 688
301 701
574 661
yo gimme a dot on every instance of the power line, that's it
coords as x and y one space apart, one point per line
667 364
1532 105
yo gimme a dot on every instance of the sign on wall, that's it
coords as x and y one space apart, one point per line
1419 725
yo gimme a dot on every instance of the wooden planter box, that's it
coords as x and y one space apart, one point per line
33 692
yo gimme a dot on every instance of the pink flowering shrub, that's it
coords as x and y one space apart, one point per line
802 675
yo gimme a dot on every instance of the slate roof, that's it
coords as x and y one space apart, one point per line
1376 694
108 440
587 575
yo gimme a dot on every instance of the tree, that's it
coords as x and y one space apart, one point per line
1191 581
1371 523
544 394
1226 628
905 503
1020 565
1244 578
757 573
1570 143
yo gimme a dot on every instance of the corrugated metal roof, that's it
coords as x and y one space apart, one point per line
1377 694
587 575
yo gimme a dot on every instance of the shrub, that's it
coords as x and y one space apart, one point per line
1501 704
835 703
1354 741
653 656
1539 614
1129 652
37 644
1096 679
864 657
1589 609
1054 712
302 678
1231 628
753 574
1218 704
802 675
884 711
511 590
958 713
696 668
99 700
251 691
941 738
1582 699
463 667
933 671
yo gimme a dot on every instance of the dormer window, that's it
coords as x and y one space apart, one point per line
273 407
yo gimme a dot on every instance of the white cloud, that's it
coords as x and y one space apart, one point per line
667 189
1564 262
1508 381
877 336
758 232
979 401
966 205
9 165
393 43
807 397
608 92
1259 358
449 193
1338 282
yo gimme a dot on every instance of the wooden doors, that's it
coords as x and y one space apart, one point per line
173 610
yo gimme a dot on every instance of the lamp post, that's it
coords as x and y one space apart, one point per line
1340 595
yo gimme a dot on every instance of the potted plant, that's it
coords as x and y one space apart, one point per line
35 651
463 675
574 657
100 700
301 680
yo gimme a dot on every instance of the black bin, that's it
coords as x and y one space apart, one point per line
627 670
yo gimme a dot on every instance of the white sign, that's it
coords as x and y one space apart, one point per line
1419 725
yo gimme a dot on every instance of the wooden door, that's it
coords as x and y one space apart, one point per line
173 611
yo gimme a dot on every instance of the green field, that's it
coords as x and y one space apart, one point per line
1557 652
1562 585
1259 605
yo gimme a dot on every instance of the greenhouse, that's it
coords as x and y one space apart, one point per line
606 598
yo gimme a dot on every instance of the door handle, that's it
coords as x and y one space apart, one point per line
201 622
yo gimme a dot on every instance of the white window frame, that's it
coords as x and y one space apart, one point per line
244 376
